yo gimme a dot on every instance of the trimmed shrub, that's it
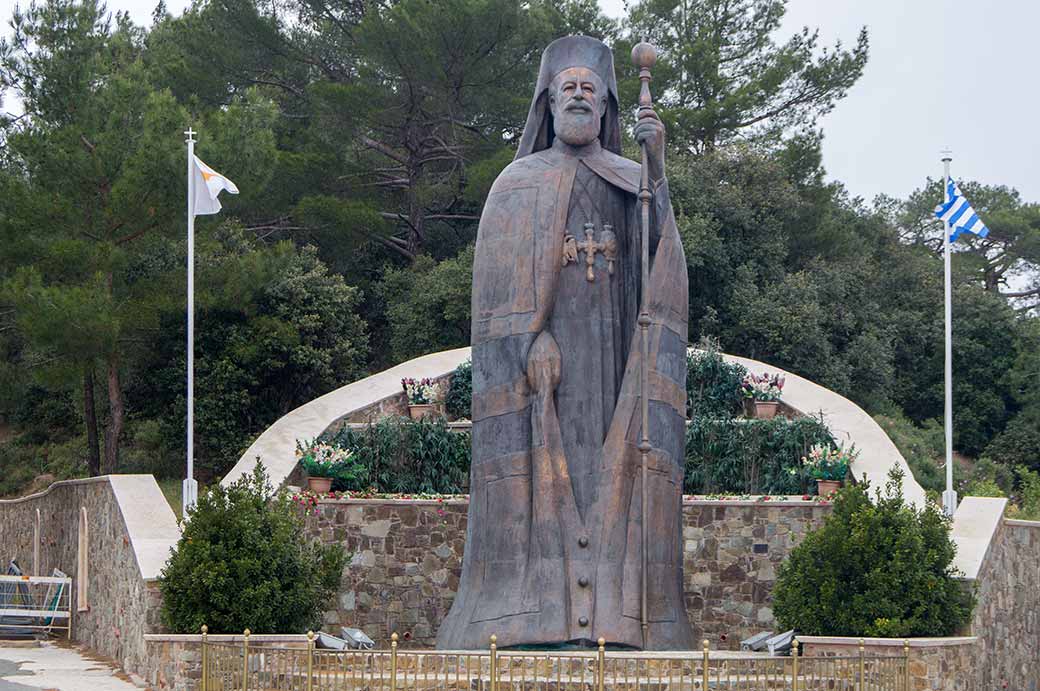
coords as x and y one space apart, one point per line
243 562
874 569
725 455
459 399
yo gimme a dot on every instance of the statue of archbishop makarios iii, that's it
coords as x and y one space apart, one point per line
554 548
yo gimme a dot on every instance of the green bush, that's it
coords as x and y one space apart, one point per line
459 400
243 562
1019 443
725 455
409 456
712 384
986 479
874 569
1028 506
923 448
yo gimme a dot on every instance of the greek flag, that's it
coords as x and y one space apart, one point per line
959 214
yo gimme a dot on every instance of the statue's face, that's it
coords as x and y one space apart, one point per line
577 100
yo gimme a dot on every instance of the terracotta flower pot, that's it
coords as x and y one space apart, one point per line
826 488
320 485
418 411
766 410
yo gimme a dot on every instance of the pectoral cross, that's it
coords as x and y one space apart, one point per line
607 246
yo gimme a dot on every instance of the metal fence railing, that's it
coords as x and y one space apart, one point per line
246 667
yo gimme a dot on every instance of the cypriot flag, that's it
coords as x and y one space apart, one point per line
208 184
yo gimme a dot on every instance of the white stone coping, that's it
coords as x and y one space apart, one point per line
257 638
847 422
975 523
149 521
276 446
936 642
1020 523
793 501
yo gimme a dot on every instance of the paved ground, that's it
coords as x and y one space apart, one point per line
55 668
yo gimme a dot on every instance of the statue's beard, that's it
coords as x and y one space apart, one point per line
577 128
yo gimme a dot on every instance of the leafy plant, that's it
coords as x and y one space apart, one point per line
712 384
829 463
750 456
419 391
402 455
1028 506
319 459
874 569
459 399
762 387
243 562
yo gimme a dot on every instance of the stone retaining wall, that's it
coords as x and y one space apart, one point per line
130 526
174 661
1007 617
936 664
407 558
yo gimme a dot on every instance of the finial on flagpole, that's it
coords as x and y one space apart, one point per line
947 155
190 134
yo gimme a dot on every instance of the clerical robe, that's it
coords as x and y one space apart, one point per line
553 546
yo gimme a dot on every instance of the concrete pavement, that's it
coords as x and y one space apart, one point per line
56 668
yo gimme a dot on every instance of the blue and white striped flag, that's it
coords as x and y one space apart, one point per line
959 214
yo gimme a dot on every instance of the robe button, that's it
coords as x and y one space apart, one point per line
583 541
583 581
583 621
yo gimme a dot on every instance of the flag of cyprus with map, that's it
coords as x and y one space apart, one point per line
208 184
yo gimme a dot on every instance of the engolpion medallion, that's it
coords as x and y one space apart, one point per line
556 536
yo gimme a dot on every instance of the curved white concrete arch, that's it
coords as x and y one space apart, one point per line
849 423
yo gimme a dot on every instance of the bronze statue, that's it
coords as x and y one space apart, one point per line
564 343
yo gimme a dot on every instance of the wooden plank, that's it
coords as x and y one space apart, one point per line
45 580
46 613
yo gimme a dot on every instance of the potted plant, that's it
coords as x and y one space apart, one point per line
422 397
763 391
320 461
829 465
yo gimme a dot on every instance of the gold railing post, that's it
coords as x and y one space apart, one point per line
906 664
393 662
794 658
245 660
862 667
601 666
704 672
494 663
205 658
310 661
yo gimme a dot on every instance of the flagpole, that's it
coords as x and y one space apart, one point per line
190 490
949 497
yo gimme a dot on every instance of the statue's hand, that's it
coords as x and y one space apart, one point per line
650 131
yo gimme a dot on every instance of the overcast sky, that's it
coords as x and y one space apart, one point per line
942 73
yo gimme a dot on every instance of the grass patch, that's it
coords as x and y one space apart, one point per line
171 489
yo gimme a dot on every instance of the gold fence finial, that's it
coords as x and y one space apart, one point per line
794 664
705 664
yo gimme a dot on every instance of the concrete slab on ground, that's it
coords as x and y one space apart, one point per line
58 668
